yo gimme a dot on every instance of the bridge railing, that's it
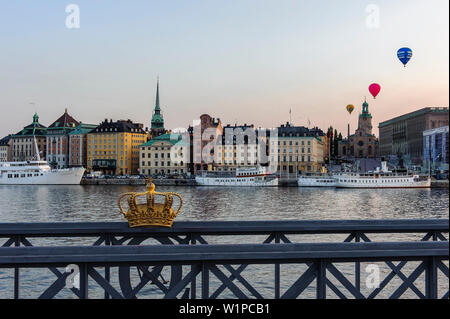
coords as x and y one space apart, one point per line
191 267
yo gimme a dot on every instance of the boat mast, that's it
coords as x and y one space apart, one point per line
36 149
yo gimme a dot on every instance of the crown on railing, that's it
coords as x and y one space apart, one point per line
150 213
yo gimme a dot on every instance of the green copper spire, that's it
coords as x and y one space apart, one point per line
157 119
157 96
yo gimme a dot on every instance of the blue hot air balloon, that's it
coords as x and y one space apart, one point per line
404 55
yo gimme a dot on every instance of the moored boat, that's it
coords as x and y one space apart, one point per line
38 173
251 177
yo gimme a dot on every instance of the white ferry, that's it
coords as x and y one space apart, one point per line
320 180
38 173
252 177
381 179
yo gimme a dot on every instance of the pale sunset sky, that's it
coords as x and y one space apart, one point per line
244 61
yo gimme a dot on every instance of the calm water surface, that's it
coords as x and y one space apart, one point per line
99 203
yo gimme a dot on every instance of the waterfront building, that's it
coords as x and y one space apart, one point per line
78 145
113 147
157 124
158 156
362 144
236 148
5 149
298 149
208 131
435 148
23 143
403 135
57 140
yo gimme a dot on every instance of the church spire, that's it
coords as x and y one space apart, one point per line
157 108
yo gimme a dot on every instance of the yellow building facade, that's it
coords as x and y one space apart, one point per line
113 147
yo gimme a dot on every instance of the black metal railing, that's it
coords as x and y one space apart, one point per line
328 269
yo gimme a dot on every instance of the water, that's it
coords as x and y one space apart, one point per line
99 203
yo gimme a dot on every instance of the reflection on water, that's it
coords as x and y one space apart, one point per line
99 203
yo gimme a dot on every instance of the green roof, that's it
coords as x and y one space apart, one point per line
83 129
171 138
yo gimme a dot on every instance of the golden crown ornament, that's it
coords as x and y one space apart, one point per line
150 213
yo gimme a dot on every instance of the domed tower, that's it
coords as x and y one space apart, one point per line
365 119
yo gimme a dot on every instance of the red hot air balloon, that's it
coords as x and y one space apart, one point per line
374 89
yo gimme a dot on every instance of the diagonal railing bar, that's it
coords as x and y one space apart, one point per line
395 271
442 267
181 241
301 283
120 241
446 295
344 281
58 285
9 242
224 279
104 284
154 278
441 237
427 236
402 276
285 239
174 291
386 280
243 281
269 239
239 270
99 241
350 238
407 283
232 277
335 290
25 242
201 240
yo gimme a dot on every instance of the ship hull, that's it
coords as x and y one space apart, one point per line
382 183
70 176
234 182
316 182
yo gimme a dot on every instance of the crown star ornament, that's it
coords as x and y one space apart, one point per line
150 213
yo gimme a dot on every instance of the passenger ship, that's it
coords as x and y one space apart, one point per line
252 177
38 173
381 179
320 180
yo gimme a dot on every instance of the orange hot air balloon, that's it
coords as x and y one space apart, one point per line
350 108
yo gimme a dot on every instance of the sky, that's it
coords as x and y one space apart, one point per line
243 61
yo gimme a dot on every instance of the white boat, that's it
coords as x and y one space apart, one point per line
251 177
381 179
320 180
38 173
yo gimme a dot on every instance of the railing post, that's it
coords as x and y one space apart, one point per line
205 281
107 268
84 287
321 292
277 271
16 272
431 279
194 280
357 266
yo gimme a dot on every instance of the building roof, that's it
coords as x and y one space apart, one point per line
34 129
83 128
170 138
288 130
5 141
119 126
65 122
439 110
